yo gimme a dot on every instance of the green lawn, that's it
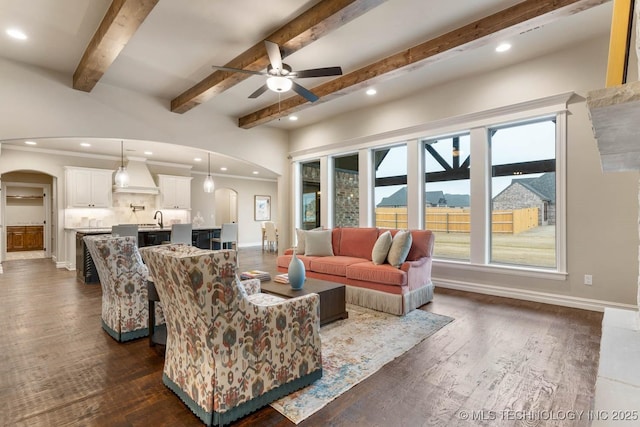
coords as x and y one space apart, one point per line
535 247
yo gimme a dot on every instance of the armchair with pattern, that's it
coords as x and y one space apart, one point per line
123 278
230 349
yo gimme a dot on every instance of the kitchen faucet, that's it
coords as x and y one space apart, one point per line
155 215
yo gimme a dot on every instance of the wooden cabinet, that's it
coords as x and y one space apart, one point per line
25 238
175 192
88 188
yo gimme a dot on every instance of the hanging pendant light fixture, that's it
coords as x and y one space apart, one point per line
208 181
122 176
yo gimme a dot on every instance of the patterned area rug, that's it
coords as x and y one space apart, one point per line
355 348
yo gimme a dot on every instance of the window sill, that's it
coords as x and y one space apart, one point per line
502 269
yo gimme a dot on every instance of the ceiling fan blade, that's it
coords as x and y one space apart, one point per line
305 93
262 89
317 72
273 51
239 70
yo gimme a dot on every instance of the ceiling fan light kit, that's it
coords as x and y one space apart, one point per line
279 84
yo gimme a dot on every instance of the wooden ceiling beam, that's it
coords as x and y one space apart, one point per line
514 20
116 29
311 25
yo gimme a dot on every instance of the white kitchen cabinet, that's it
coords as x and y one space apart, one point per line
88 188
175 192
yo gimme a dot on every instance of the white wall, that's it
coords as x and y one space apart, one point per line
249 230
602 210
43 104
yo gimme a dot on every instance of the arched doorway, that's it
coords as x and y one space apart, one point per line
27 206
226 206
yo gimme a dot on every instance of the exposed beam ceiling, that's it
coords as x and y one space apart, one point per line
316 22
517 19
116 29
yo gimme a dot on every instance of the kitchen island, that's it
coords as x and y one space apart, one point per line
147 236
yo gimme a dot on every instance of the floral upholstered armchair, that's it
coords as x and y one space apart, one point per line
230 349
123 277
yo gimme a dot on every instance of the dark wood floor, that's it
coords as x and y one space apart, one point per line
57 366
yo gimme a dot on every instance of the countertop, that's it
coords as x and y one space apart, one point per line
108 229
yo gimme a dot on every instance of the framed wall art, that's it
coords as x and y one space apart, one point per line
262 208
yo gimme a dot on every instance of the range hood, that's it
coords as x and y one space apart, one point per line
140 179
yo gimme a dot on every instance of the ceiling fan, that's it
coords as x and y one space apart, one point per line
281 76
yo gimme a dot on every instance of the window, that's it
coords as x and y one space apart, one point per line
491 186
448 194
390 190
523 194
346 200
310 197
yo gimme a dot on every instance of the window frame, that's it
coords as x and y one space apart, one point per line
476 124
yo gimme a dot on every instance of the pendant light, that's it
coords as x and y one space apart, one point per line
122 176
208 181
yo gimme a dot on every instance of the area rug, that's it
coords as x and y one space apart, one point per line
355 348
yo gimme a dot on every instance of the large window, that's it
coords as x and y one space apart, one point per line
489 185
448 194
346 200
310 197
523 194
390 191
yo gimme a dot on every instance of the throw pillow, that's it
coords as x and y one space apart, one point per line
301 238
400 247
318 243
381 248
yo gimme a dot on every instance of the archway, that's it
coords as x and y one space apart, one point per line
226 205
27 215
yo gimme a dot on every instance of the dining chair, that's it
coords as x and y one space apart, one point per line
228 234
271 235
122 230
182 233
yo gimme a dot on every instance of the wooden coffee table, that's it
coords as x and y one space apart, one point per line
332 296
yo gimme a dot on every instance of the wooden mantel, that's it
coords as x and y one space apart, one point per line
615 117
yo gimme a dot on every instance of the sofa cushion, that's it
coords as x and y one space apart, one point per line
357 242
318 243
400 247
335 265
369 272
421 246
381 248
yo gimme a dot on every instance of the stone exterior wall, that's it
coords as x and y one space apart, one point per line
517 196
346 200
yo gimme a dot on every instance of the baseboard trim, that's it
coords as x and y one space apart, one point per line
62 264
535 296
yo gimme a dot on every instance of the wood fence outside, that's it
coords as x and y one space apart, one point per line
458 220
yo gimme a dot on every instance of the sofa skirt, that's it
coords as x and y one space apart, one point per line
389 303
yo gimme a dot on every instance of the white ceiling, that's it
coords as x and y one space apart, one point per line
179 41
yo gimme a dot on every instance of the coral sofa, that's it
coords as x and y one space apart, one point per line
380 287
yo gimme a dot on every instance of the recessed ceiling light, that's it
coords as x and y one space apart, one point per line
85 144
293 118
503 47
371 92
197 159
256 172
16 34
31 143
223 168
148 153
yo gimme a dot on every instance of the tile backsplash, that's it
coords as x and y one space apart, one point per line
121 212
